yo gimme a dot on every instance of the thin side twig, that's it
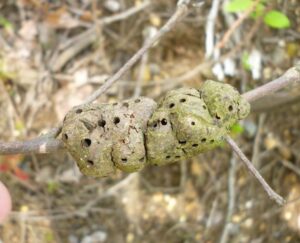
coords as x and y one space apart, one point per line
181 11
272 194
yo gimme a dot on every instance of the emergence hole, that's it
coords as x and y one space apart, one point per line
78 111
137 101
86 142
168 157
203 140
182 142
182 100
90 162
195 145
204 107
177 156
155 125
124 160
212 141
66 136
171 105
193 123
126 104
230 108
116 120
164 121
218 117
101 123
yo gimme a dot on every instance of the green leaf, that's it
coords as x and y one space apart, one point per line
276 19
258 11
237 129
235 6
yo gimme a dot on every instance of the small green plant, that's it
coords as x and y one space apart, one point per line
5 23
245 61
272 18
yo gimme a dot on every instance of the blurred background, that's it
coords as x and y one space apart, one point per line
53 54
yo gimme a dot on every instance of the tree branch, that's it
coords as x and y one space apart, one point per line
272 194
290 76
47 144
51 145
40 145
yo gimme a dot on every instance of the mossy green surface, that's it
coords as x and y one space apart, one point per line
189 128
226 106
130 134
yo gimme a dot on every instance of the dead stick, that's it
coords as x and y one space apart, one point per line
235 25
181 11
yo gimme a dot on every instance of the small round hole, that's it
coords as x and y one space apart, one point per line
155 124
164 121
168 157
230 108
204 107
90 162
212 141
101 123
124 160
195 145
66 136
86 142
171 105
182 100
193 123
177 156
137 101
218 117
126 104
78 111
182 142
203 140
116 120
